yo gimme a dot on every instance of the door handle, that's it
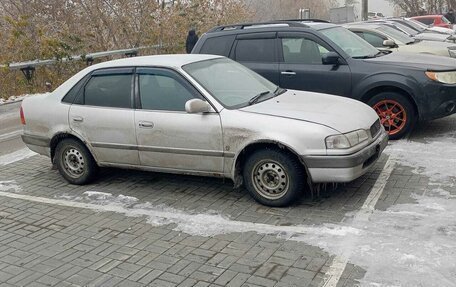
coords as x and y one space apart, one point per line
78 119
146 125
288 73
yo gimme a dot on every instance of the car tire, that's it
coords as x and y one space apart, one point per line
396 113
274 177
75 162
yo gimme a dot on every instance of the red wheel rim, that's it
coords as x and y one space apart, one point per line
392 115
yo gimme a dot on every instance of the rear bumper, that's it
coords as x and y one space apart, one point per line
40 145
346 168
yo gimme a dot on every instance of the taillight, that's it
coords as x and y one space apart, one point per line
22 116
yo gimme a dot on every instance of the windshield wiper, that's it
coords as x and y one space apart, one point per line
369 56
258 97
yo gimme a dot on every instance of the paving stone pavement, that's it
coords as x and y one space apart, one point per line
50 245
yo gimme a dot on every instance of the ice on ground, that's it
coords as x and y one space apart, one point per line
16 156
435 158
10 186
103 198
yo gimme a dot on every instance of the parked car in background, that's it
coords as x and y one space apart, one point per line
429 36
427 28
434 20
327 58
385 37
375 15
203 115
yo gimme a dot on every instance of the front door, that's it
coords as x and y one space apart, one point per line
302 67
168 137
103 116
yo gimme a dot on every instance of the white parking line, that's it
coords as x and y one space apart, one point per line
339 263
16 156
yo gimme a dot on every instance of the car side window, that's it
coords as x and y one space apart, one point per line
163 90
109 90
302 51
374 40
427 21
255 50
218 45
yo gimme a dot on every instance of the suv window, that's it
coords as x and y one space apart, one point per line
374 39
427 21
302 51
255 50
162 90
109 91
218 46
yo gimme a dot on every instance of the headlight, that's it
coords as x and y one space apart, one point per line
443 77
347 140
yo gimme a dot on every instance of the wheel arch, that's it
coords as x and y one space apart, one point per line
239 159
369 94
57 138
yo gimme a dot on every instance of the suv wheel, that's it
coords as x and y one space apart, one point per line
396 113
273 177
74 161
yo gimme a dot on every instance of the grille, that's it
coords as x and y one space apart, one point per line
375 128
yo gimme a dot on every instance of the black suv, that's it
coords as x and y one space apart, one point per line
322 57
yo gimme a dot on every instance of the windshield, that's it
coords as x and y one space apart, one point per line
230 83
445 20
407 30
418 23
353 45
397 36
413 25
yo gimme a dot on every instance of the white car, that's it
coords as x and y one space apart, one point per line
202 115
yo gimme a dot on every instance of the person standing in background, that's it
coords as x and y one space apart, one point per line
192 38
450 16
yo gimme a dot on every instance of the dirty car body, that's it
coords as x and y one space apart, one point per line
202 115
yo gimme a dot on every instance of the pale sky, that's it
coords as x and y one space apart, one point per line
376 6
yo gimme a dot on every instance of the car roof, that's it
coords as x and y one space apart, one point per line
315 24
427 16
367 26
175 60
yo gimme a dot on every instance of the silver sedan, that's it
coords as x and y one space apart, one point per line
202 115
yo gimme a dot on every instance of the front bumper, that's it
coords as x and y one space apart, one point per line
440 101
346 168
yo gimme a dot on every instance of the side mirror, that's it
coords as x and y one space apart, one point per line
389 44
330 58
195 106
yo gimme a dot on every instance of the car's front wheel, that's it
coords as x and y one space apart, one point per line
274 177
74 162
396 113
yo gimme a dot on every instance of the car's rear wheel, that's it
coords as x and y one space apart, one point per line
274 177
396 113
74 162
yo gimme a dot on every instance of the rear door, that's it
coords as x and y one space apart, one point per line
258 51
168 137
301 66
102 115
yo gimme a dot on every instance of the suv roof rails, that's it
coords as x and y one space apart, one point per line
314 20
290 23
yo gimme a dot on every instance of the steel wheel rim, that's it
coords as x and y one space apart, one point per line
392 116
73 162
270 179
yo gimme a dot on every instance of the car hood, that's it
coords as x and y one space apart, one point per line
418 61
339 113
431 47
432 37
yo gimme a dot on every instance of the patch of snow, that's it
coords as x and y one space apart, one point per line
9 185
14 99
16 156
435 158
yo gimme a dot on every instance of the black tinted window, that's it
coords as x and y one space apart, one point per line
374 40
163 91
427 21
255 50
218 46
72 94
109 91
302 51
